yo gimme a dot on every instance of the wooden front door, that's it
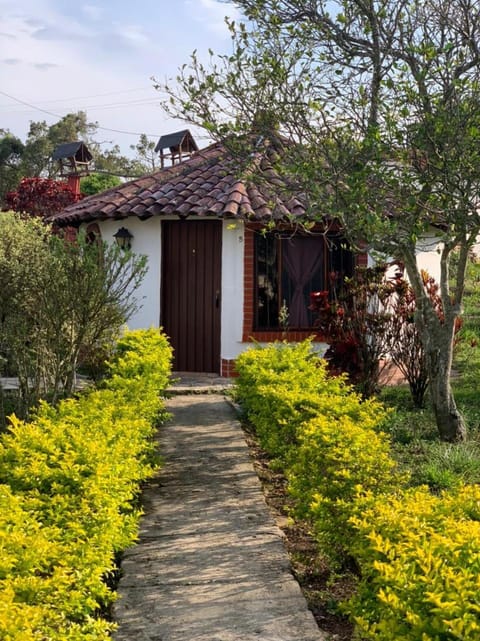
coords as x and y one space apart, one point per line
191 287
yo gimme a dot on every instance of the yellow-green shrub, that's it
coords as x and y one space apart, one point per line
420 565
327 438
280 387
338 459
418 553
69 483
144 354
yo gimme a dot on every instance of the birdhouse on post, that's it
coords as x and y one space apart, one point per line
73 160
180 144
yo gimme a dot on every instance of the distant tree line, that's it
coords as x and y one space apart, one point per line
33 157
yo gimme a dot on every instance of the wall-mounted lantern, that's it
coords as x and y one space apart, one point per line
123 238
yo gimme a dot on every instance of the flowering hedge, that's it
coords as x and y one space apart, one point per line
68 484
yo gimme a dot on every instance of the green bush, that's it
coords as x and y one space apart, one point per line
419 556
68 487
418 553
327 438
280 387
339 459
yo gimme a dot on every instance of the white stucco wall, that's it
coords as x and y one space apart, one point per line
146 241
428 254
232 289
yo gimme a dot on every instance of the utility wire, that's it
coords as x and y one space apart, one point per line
94 95
108 105
50 113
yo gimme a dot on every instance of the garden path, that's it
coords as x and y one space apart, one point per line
210 564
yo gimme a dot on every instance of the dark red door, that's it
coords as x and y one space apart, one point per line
191 286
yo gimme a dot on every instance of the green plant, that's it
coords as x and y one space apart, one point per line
340 458
355 325
449 465
419 557
280 386
417 552
59 299
96 183
69 480
328 439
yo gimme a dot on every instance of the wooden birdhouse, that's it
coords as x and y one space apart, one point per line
180 144
73 160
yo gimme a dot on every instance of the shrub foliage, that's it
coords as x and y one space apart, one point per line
417 553
58 300
68 484
327 438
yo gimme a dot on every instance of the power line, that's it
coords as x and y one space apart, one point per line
95 95
50 113
140 101
108 105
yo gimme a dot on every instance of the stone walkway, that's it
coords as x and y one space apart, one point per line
210 564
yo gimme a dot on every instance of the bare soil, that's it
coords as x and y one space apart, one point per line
322 590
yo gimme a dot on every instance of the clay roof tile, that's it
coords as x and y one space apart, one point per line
207 183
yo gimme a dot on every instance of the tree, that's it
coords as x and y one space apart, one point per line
383 100
146 154
58 300
96 183
11 150
41 197
43 139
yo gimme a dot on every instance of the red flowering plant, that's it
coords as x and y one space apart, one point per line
368 320
406 348
353 317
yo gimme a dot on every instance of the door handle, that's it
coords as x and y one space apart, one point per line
217 298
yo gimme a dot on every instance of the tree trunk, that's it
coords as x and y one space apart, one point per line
450 423
437 334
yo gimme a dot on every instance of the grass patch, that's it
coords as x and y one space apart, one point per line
413 432
448 465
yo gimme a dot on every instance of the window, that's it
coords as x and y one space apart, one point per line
289 268
93 234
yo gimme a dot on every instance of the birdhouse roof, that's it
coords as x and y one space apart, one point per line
173 141
77 150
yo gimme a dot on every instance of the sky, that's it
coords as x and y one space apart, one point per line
62 56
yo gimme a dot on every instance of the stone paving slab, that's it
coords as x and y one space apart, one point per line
210 564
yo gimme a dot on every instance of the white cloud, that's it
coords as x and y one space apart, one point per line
212 13
93 12
131 34
44 66
68 33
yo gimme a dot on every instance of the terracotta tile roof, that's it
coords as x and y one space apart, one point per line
206 184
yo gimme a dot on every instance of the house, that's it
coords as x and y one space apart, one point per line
228 262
